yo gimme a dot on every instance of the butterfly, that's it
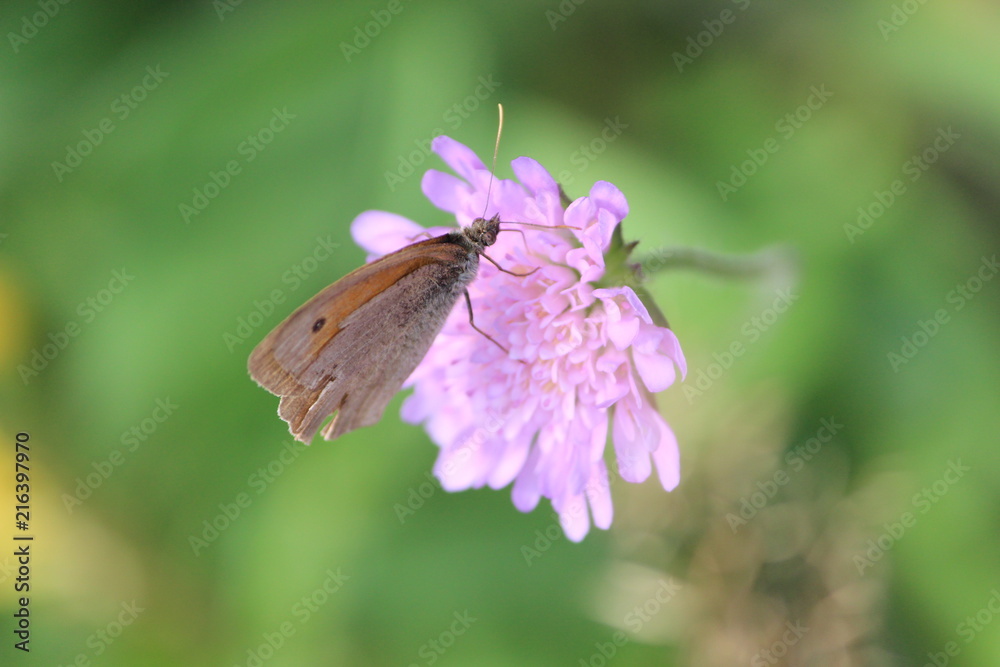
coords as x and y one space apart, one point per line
349 349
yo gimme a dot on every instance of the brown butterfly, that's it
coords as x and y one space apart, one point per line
349 349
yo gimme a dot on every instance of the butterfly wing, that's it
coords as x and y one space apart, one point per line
349 349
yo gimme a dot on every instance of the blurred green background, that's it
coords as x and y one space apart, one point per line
117 115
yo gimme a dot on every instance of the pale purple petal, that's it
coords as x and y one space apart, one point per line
630 447
601 231
534 176
671 346
416 408
510 463
599 435
445 191
599 496
637 305
461 467
458 156
623 325
580 214
526 493
381 233
607 196
574 519
656 370
667 457
623 331
582 259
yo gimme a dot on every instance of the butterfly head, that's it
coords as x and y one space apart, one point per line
483 232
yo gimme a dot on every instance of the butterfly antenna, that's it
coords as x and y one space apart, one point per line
496 149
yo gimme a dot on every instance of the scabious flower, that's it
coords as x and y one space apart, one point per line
585 353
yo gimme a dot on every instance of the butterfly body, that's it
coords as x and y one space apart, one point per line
349 349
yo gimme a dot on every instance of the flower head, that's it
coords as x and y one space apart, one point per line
584 356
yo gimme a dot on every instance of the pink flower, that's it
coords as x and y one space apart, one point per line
585 356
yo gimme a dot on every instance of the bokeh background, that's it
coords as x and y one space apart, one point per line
876 546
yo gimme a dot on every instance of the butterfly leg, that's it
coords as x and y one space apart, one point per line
524 239
519 275
468 302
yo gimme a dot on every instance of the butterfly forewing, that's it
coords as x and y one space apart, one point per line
349 349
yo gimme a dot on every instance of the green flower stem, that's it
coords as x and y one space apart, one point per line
765 263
